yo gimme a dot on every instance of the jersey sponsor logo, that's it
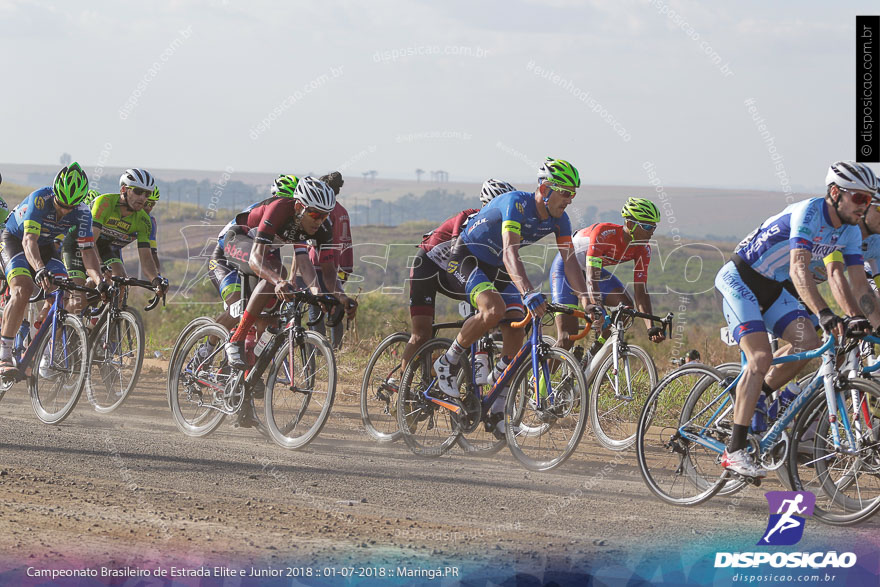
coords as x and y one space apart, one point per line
757 243
476 224
607 232
520 207
452 267
39 203
824 250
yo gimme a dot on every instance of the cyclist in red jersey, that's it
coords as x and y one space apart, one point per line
604 245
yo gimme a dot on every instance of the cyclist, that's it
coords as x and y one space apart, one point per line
602 245
4 208
253 245
756 299
489 243
119 219
222 272
428 275
333 263
29 255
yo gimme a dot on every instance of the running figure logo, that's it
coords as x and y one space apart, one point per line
787 512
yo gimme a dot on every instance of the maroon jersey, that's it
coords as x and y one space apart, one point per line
438 242
273 222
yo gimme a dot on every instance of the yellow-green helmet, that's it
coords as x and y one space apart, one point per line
284 186
71 185
154 197
560 172
90 196
641 210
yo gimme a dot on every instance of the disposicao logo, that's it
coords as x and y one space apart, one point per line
788 513
788 510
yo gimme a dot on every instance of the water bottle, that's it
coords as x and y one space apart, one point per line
249 343
22 336
784 399
263 342
759 420
481 367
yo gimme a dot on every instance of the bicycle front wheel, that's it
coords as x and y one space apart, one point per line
428 428
62 358
618 395
685 416
544 423
197 381
115 361
379 388
300 389
846 482
187 330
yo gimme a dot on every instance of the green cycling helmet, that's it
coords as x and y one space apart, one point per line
90 196
641 210
71 185
560 172
154 197
284 186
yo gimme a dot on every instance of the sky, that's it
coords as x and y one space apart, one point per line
477 89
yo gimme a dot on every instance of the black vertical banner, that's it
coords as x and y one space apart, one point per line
867 88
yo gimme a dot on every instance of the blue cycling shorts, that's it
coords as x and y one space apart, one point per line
561 291
743 313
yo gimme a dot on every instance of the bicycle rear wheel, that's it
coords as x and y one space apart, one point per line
378 396
300 389
678 469
846 484
428 429
616 400
115 361
197 380
544 424
60 373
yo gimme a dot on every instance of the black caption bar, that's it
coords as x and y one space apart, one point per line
867 103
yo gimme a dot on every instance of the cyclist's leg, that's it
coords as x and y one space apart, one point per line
791 322
72 257
561 293
19 276
225 280
424 284
746 322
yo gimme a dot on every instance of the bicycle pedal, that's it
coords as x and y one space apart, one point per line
623 397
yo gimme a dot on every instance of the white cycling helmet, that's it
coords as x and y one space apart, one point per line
850 175
493 188
314 193
137 178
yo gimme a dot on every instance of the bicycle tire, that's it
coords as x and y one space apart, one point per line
664 413
102 366
311 392
558 426
378 397
811 444
615 419
187 330
72 344
425 435
184 382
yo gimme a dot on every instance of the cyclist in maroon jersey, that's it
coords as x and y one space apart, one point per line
428 275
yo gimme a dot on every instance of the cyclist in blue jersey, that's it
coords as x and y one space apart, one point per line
485 259
29 253
770 270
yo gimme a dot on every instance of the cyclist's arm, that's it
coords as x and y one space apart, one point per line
804 282
510 256
31 246
258 265
303 264
145 254
92 264
593 276
643 301
867 301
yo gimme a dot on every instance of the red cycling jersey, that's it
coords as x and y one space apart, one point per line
438 242
604 244
273 222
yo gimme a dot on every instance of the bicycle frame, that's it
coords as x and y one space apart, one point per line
50 324
825 376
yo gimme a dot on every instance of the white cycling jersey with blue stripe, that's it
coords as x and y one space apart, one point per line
802 225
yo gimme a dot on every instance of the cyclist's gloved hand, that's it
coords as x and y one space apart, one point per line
597 312
43 278
857 325
828 320
656 334
160 284
350 307
534 300
285 291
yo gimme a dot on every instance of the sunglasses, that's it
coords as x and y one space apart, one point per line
646 227
568 193
858 198
140 191
316 214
